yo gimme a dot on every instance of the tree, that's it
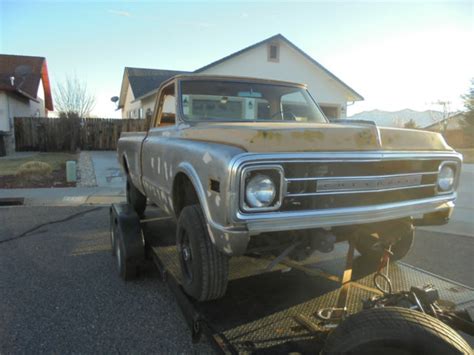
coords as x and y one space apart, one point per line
410 124
468 98
72 98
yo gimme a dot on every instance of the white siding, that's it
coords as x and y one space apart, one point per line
4 113
12 106
291 66
130 105
148 103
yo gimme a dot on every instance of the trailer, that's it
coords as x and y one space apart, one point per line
277 305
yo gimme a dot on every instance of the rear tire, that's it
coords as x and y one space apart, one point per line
204 269
135 198
394 330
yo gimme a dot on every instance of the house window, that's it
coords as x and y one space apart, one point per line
330 111
273 52
140 113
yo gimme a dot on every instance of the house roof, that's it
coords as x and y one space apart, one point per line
22 75
282 38
457 116
143 81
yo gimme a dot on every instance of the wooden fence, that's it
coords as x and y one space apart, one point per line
65 134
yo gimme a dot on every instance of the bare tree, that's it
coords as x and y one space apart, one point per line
73 99
468 99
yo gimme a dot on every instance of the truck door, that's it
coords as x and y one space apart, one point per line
157 167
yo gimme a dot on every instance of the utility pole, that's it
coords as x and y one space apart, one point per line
446 113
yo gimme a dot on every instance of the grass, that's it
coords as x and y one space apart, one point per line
9 166
467 154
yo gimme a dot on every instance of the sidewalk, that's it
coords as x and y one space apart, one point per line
69 196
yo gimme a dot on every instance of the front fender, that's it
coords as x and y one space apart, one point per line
229 240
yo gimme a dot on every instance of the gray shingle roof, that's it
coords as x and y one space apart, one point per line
144 80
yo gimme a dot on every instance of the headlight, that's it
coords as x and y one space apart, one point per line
260 191
261 188
446 178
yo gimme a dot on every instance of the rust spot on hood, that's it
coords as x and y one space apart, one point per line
308 135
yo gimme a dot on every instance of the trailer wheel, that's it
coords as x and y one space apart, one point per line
394 330
135 198
112 230
204 269
127 241
366 245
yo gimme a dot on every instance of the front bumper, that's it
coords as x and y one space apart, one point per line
285 221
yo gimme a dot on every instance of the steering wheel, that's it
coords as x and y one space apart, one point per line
284 113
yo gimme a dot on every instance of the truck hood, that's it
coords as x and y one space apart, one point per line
304 137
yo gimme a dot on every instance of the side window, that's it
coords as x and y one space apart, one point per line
295 107
166 107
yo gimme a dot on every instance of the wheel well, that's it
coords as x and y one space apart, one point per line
184 193
125 165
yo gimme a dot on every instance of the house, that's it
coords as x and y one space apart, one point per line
273 58
451 123
139 88
399 118
25 91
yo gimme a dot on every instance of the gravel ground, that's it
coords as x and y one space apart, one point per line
85 169
60 293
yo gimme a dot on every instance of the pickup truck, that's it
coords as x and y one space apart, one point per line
250 165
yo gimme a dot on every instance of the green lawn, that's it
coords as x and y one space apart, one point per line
9 166
468 154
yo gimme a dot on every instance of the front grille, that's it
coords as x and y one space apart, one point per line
324 185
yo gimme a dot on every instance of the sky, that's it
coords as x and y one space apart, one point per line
397 55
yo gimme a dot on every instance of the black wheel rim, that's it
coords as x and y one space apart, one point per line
186 256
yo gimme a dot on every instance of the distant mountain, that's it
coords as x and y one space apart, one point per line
399 118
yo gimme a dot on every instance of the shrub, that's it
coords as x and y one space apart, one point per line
34 170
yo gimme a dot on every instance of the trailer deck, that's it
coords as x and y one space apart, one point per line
275 310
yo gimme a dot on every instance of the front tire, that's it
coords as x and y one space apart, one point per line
204 269
135 198
394 330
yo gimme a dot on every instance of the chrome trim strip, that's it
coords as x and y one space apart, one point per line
346 192
367 177
284 221
339 157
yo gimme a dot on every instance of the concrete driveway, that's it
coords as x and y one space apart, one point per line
107 169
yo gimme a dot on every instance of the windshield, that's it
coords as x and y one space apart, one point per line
211 100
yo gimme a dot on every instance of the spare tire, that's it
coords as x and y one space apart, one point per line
394 330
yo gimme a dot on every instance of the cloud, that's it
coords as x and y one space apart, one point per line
120 13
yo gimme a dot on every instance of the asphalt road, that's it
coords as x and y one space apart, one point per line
59 292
